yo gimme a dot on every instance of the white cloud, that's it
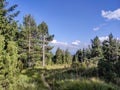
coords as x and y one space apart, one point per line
111 14
55 42
99 27
118 38
96 28
65 44
72 46
106 38
76 42
103 38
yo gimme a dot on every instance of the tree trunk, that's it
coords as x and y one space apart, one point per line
29 50
43 54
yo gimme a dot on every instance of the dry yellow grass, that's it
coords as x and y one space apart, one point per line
58 66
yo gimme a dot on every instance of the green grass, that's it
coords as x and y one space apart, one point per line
83 84
61 77
76 79
30 79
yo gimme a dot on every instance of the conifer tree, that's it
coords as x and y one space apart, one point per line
27 40
59 56
68 57
44 38
106 65
9 69
96 48
8 26
8 53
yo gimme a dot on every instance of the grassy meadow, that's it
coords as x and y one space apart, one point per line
62 77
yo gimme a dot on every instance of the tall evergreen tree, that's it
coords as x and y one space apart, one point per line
2 51
8 26
59 56
9 69
68 57
79 56
106 66
111 46
27 40
8 53
96 48
44 38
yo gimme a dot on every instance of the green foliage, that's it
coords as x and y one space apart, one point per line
9 65
106 70
31 79
117 68
2 52
31 41
62 57
83 84
76 78
67 57
80 56
96 48
27 41
9 69
107 65
44 38
8 26
49 58
59 56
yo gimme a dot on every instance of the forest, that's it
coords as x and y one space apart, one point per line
28 63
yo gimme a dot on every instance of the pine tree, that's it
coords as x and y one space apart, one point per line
8 64
117 62
106 65
2 52
79 55
11 65
96 48
27 40
8 52
8 26
44 38
88 53
74 59
59 56
110 48
68 57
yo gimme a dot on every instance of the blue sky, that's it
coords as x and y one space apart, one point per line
74 22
